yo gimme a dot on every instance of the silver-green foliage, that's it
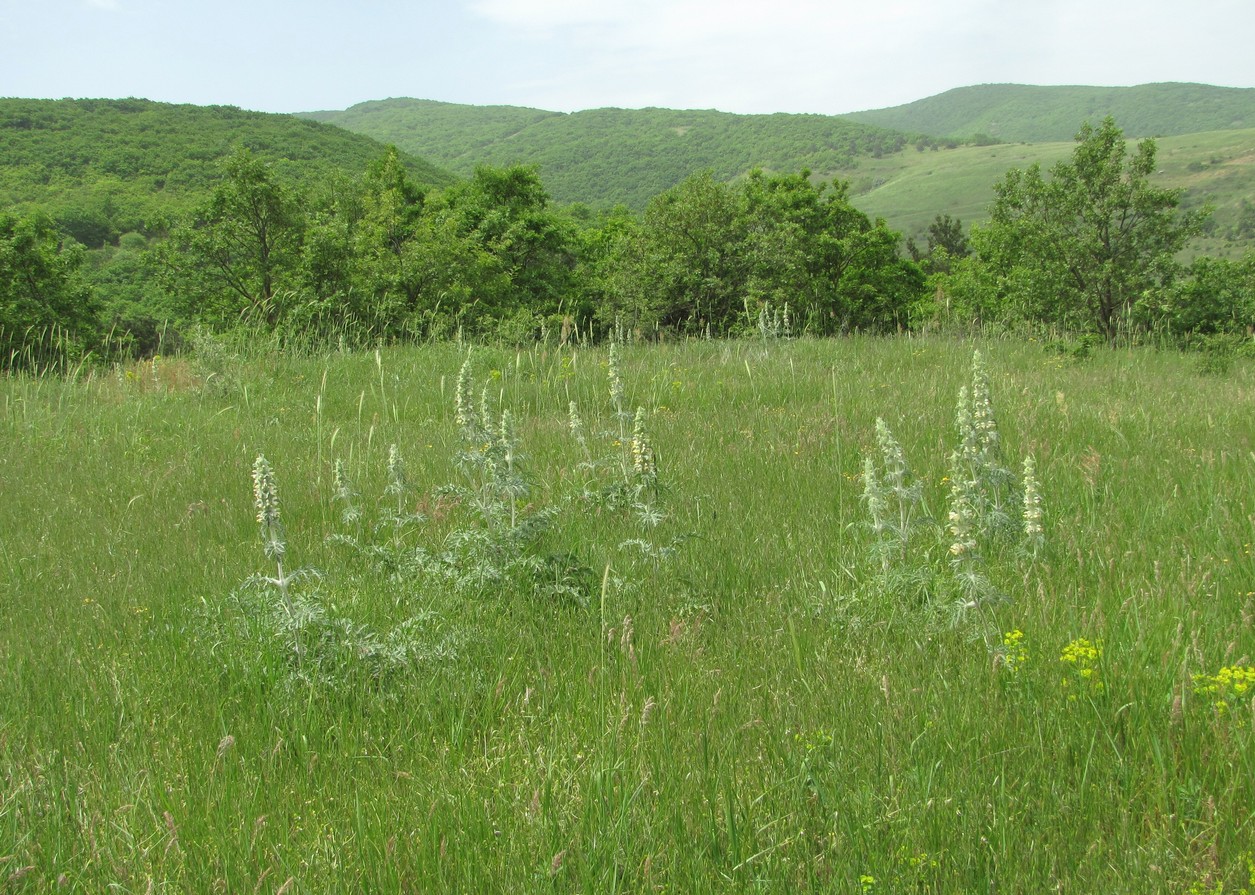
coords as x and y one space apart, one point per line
315 645
988 509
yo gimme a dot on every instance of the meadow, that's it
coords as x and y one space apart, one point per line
706 681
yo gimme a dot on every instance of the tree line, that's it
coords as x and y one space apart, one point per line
381 258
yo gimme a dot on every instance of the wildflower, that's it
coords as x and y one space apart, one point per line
643 462
962 515
345 494
893 457
979 457
968 440
984 425
616 380
463 411
1231 683
485 414
874 497
506 439
266 498
397 480
1014 653
1081 657
1033 535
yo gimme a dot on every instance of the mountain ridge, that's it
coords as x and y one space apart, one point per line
1038 114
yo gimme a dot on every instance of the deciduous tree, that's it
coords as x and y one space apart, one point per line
45 305
1083 245
230 260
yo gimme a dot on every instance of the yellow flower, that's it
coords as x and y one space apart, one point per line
1013 653
1232 682
1081 656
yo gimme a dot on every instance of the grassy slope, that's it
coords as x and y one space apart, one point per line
909 188
1022 113
800 734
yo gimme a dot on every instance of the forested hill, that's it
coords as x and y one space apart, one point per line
1016 113
605 157
102 167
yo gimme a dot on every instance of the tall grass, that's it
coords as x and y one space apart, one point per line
744 716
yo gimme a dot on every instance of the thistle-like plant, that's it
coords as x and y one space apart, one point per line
1034 534
617 390
345 494
877 510
774 322
266 502
390 547
501 535
895 507
963 530
464 410
894 501
979 457
962 517
326 650
985 503
396 516
644 464
398 481
625 477
294 612
576 425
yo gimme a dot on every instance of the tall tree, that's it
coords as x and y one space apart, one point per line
46 307
811 248
946 242
709 252
230 259
506 213
1083 245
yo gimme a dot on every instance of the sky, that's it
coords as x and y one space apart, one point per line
819 56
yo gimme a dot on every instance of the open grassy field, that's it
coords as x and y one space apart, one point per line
715 684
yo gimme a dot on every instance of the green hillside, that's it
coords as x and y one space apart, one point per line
103 167
602 157
456 136
908 189
1022 113
605 157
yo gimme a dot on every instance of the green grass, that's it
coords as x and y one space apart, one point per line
803 733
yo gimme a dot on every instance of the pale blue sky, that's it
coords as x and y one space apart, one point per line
738 56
